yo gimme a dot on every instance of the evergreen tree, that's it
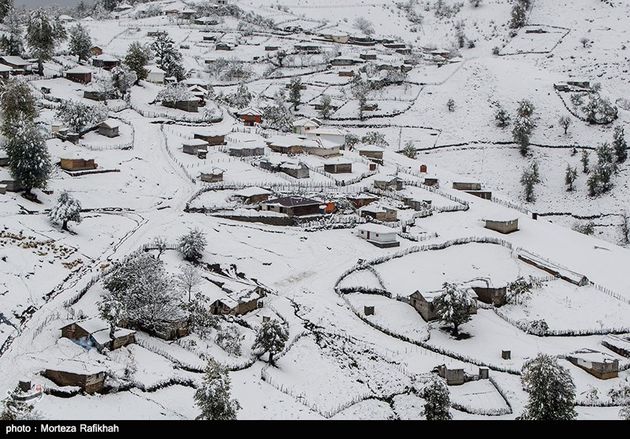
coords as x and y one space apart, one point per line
67 209
521 133
584 159
80 42
12 42
213 397
109 5
529 179
167 57
295 92
326 108
502 117
453 306
123 78
16 102
192 245
519 16
437 399
29 161
550 388
278 116
43 35
619 144
600 180
525 108
271 337
569 178
137 58
625 238
360 89
5 8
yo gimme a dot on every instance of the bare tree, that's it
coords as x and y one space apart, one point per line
187 279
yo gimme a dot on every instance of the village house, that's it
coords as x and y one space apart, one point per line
235 298
190 104
388 182
379 213
551 268
379 235
196 147
485 195
292 206
371 152
79 74
248 149
370 55
338 166
344 61
76 373
109 128
599 364
77 164
619 344
94 94
210 136
97 333
250 116
18 65
496 296
200 93
187 14
155 75
466 186
106 62
207 21
431 181
295 170
416 203
505 226
362 199
287 144
252 195
453 377
423 303
224 46
5 71
96 51
214 175
305 124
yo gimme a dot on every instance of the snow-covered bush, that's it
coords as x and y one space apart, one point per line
537 327
230 70
271 337
437 399
174 93
453 306
213 396
199 317
229 339
67 209
79 116
599 110
374 138
192 245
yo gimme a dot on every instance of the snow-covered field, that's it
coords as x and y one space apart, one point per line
320 275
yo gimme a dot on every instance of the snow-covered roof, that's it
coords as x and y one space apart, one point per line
194 142
79 70
376 228
15 60
106 58
76 366
371 148
338 161
292 201
305 122
110 123
250 111
292 140
593 356
363 196
155 69
4 68
251 192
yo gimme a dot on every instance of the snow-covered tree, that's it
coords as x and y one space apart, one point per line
14 409
167 57
325 109
584 159
453 306
229 339
624 228
550 388
271 337
520 290
80 42
143 290
375 138
565 123
619 144
437 399
521 132
137 58
188 279
364 25
43 34
213 397
450 105
5 8
599 110
29 160
600 180
529 179
79 116
360 89
16 102
200 320
278 116
160 244
12 42
67 209
519 16
525 108
501 117
174 93
410 150
192 245
239 99
569 178
123 78
295 92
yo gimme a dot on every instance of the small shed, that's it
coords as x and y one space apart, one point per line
77 164
196 147
618 344
252 195
388 182
295 170
250 116
109 128
155 75
79 74
598 364
211 137
379 235
453 377
292 206
106 62
466 186
214 175
362 199
379 212
372 152
504 226
246 150
338 166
